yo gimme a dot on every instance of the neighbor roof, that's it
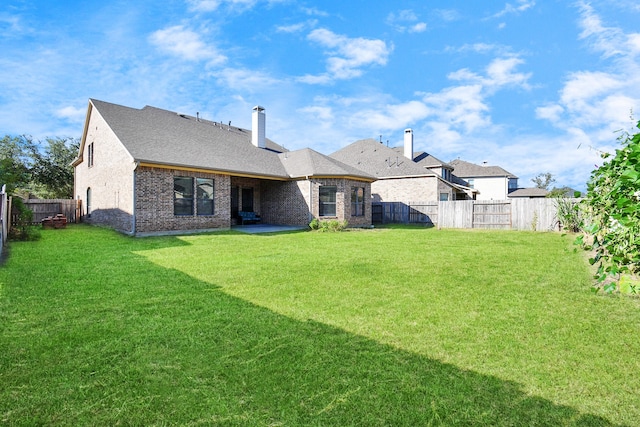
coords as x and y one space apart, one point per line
156 136
378 160
465 170
424 159
529 192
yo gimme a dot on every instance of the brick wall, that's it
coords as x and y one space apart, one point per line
285 203
109 180
407 189
343 201
154 202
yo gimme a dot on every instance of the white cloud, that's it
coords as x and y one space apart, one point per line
212 5
610 41
313 11
244 79
392 116
297 28
479 48
420 27
347 56
405 21
186 44
598 102
319 113
446 15
71 113
551 112
500 72
519 7
11 26
460 107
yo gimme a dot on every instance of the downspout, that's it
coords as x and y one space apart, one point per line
310 199
135 195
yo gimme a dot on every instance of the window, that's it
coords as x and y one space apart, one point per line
513 184
204 196
357 201
328 200
90 154
444 197
89 202
182 195
471 182
446 174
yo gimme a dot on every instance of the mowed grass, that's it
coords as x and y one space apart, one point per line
403 326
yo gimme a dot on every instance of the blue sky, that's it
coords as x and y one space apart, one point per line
532 86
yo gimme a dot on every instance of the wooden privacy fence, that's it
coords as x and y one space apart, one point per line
43 208
538 214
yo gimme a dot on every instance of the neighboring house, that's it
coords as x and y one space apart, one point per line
528 193
491 182
149 170
402 175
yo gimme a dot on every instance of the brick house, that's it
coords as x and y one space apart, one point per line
144 171
403 175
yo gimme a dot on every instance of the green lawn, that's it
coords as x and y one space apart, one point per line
398 327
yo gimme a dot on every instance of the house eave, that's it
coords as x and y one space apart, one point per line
351 177
207 170
431 175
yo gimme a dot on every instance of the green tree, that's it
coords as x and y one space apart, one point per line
543 180
15 162
612 204
51 172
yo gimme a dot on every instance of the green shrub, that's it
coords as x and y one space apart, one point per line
23 229
568 213
613 223
328 225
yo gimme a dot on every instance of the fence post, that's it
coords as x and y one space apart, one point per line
4 216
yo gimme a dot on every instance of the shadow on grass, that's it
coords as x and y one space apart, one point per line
153 346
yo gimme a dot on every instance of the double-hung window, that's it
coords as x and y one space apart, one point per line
357 201
182 195
328 200
204 195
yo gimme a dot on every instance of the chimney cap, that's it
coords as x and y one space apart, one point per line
258 108
408 130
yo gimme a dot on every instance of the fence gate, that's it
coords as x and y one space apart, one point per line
492 214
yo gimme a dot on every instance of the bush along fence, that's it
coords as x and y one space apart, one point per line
515 214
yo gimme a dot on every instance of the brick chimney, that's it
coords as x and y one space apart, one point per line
258 121
408 143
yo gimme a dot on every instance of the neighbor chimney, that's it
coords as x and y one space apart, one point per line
257 127
408 143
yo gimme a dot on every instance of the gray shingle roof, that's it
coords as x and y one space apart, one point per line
308 162
424 159
154 135
529 192
466 170
378 160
